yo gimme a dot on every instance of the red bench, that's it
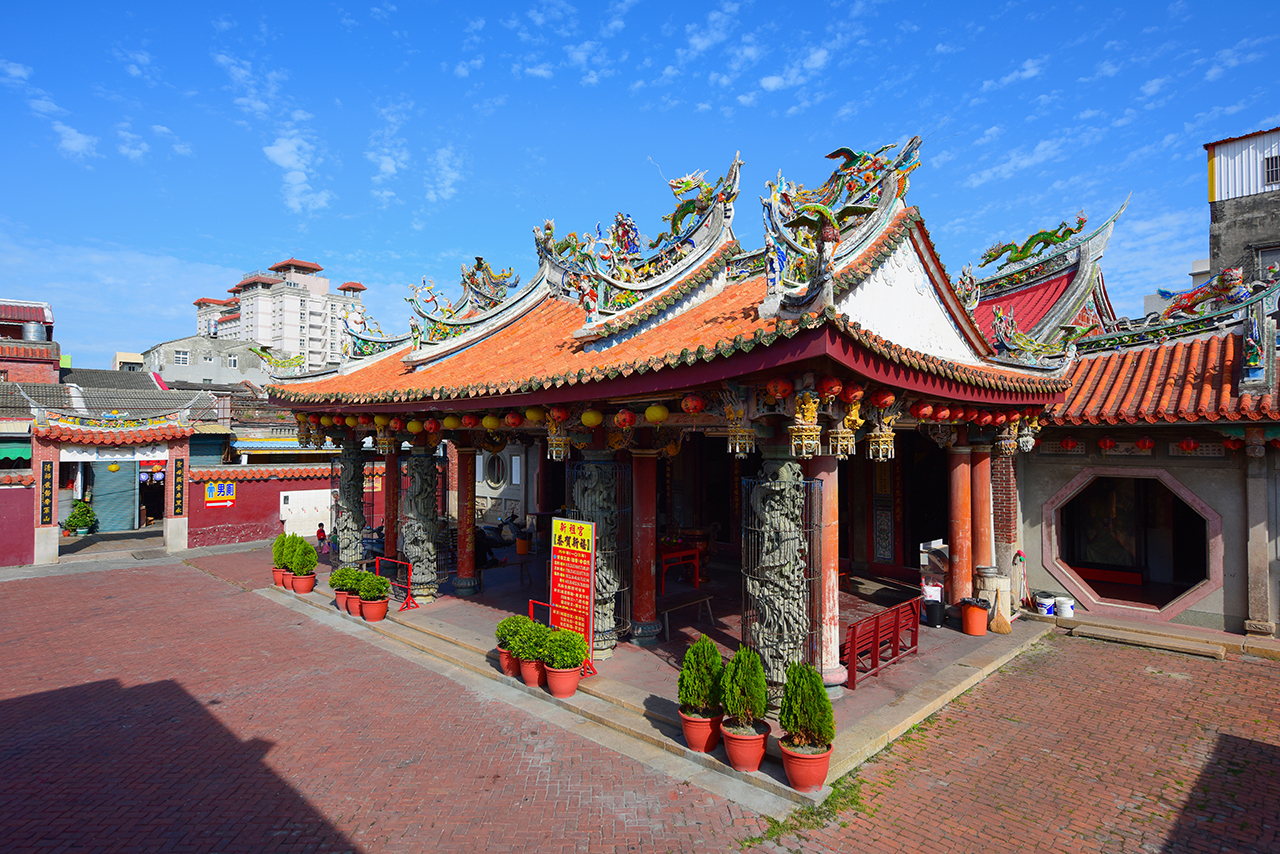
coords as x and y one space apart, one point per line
676 558
879 640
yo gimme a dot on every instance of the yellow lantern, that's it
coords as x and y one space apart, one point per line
113 467
535 414
326 420
593 418
351 421
451 422
656 414
414 426
491 422
382 420
301 416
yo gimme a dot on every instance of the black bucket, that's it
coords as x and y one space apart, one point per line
933 612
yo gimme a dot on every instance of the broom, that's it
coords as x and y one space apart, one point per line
999 622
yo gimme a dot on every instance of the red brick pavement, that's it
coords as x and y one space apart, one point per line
248 570
227 723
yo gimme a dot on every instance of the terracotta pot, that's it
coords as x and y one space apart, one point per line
701 734
353 604
287 578
277 575
745 751
510 664
563 683
340 597
303 584
533 673
806 772
374 611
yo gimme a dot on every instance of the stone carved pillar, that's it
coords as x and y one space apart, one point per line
834 674
422 524
465 582
777 564
644 547
350 522
960 533
980 497
595 497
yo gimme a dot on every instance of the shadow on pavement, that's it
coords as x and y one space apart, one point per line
101 767
1233 805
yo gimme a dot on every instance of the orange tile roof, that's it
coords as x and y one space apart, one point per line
139 436
294 262
266 472
16 479
538 351
1185 380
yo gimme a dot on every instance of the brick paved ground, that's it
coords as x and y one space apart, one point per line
227 723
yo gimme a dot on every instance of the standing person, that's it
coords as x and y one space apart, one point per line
322 539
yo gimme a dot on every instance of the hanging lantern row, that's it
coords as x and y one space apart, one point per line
1188 446
1145 443
1106 443
1233 443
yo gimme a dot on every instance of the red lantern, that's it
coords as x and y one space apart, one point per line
829 387
557 414
1188 445
1013 416
1068 443
1233 443
365 419
624 419
1146 443
396 424
942 412
313 418
1032 411
694 403
1106 443
883 398
779 388
470 421
431 425
922 410
970 414
984 418
999 419
513 419
1275 443
852 392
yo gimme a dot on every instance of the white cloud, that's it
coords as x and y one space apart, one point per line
179 147
258 94
747 100
296 156
718 26
382 12
74 144
388 151
615 17
137 63
1016 161
542 70
474 26
703 107
1151 87
947 48
798 71
1106 68
1088 114
223 23
14 70
44 106
489 105
1238 54
1129 116
131 145
1029 69
464 69
943 157
989 135
446 169
772 83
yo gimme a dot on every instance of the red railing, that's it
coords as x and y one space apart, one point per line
588 666
409 602
879 640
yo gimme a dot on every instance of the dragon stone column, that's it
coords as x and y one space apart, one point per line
595 496
644 534
465 582
350 501
422 524
825 470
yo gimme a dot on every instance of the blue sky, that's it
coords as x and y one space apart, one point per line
152 154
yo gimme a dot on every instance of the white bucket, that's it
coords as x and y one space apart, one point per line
1064 606
1044 605
932 593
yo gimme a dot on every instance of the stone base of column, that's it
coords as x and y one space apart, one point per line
645 633
1259 628
466 586
834 679
46 545
603 644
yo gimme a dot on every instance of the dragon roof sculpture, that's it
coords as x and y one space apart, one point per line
363 337
484 295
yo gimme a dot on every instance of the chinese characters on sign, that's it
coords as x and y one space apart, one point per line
46 493
573 560
220 494
179 485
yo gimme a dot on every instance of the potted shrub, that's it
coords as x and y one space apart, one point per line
700 711
507 628
277 559
286 554
81 518
374 593
527 646
746 699
806 718
563 655
339 580
304 568
354 582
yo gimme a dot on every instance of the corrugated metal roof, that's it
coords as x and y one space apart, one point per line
21 311
96 378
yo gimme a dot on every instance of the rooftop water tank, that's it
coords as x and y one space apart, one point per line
33 331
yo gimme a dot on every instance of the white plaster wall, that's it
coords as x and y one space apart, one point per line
302 510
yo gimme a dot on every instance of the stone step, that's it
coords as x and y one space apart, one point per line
1263 647
602 701
1151 641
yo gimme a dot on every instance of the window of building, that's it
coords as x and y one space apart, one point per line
515 471
1271 166
182 357
495 471
207 357
233 361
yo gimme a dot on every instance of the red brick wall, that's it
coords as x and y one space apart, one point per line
30 372
1004 499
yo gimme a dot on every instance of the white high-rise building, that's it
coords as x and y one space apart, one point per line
288 308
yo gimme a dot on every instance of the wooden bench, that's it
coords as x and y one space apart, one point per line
683 600
875 642
678 558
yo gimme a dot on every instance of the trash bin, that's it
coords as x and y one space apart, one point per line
524 539
933 580
973 616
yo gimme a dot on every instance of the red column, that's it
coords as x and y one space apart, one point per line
980 486
644 547
825 471
960 535
466 583
391 504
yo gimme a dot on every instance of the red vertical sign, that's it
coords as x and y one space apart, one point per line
573 560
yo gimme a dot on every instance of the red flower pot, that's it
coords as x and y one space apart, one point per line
303 584
276 576
510 664
701 734
287 578
353 604
806 772
563 683
533 673
340 596
374 611
745 752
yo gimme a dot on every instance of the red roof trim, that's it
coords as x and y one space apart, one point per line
294 262
352 286
225 318
211 301
1208 146
140 436
12 479
279 472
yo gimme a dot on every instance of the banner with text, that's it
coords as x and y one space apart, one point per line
573 560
